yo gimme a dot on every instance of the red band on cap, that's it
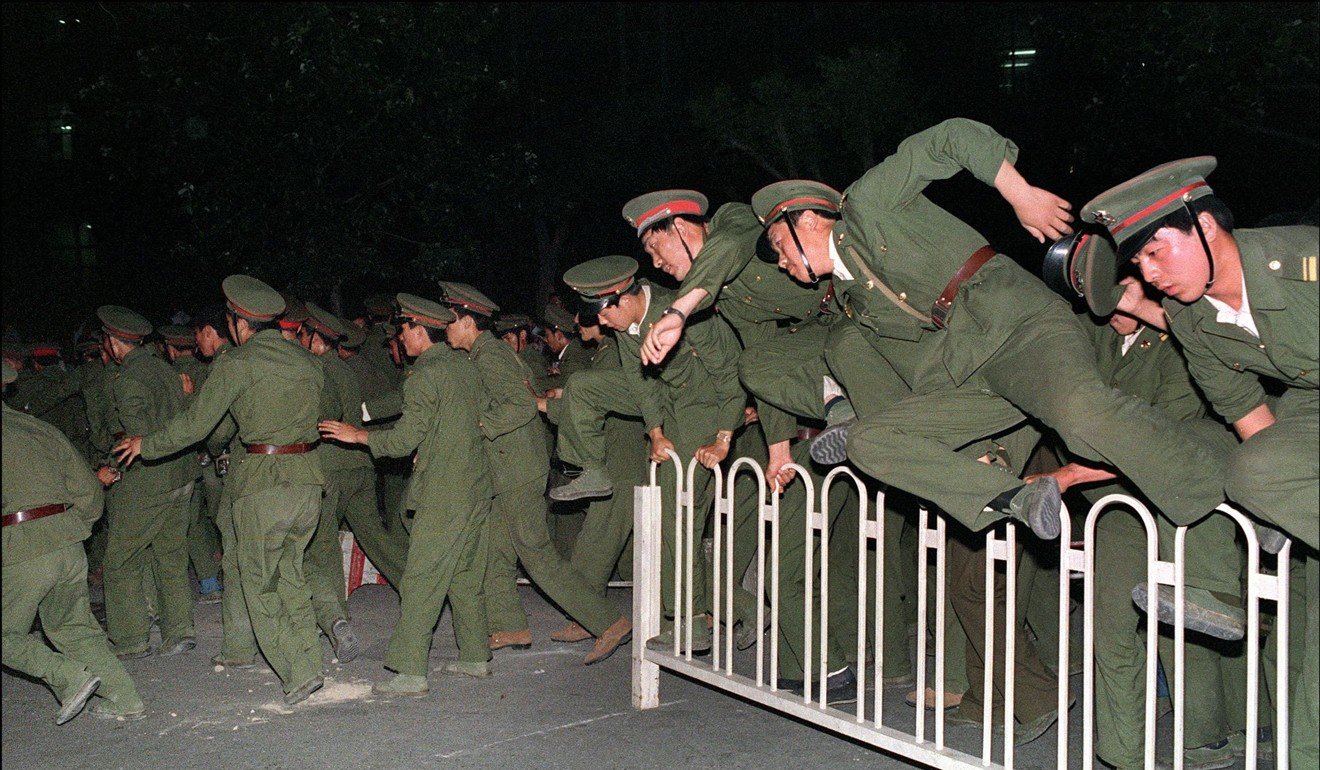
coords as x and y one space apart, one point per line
45 351
672 208
616 288
121 334
289 326
424 318
779 208
1156 206
469 305
251 314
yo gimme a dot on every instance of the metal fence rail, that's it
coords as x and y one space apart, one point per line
864 721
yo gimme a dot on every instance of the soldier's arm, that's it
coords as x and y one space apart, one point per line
133 400
937 153
46 399
509 404
207 409
422 400
729 247
218 441
646 391
85 494
1232 393
777 424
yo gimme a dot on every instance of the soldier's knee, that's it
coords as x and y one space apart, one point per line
1250 470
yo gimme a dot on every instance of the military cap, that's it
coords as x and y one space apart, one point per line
10 373
1084 264
354 335
467 297
178 336
251 298
425 312
378 304
93 342
1129 211
774 200
558 318
652 208
295 312
510 322
324 322
44 350
599 279
123 324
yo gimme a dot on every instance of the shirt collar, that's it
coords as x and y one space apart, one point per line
636 329
840 270
1240 318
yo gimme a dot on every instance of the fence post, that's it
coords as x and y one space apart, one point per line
646 594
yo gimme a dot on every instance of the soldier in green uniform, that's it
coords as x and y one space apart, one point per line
379 336
449 496
52 394
607 526
147 509
971 334
273 390
692 404
520 466
203 537
516 331
1243 305
567 355
45 570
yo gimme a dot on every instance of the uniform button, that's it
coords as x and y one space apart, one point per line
748 300
1262 346
758 277
884 248
1237 366
870 285
902 295
1275 264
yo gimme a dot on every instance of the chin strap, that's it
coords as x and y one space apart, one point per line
1196 223
811 274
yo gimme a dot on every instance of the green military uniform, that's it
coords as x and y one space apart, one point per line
1274 473
691 396
45 571
203 536
449 496
273 390
147 509
515 446
563 519
54 395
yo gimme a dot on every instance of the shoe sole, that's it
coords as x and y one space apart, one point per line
130 717
303 693
567 497
572 640
1194 618
448 672
511 647
348 647
830 446
178 649
1041 508
660 647
75 705
147 653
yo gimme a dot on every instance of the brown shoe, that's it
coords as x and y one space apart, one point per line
615 635
570 633
518 640
952 700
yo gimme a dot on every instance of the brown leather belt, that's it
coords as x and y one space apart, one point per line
277 449
18 517
940 311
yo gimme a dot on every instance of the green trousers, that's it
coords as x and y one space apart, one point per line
54 586
273 527
238 641
609 522
355 501
1303 587
446 560
1274 474
517 524
147 531
203 537
323 561
1215 703
690 421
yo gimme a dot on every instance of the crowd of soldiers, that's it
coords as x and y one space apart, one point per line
807 329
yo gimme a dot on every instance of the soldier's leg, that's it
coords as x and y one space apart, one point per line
746 528
690 425
127 540
588 397
471 631
504 610
237 642
323 561
434 552
67 620
387 549
203 539
1304 700
169 551
1274 474
788 370
273 528
609 522
551 572
25 586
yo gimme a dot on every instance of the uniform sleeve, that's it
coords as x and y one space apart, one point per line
421 402
1175 393
86 496
509 405
46 399
207 409
936 153
730 246
133 401
1231 393
224 433
646 391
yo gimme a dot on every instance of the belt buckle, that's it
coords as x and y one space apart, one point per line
939 312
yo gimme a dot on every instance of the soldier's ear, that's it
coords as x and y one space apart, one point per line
1209 226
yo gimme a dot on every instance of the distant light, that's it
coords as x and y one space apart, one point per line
77 21
1015 64
61 21
86 226
66 129
1023 52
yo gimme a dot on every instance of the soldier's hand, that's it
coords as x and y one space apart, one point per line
107 475
750 415
1043 214
127 450
777 477
540 403
659 445
188 387
554 393
712 454
342 431
661 339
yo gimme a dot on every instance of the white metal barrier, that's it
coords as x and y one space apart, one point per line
865 722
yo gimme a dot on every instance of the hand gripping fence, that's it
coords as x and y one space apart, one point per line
866 720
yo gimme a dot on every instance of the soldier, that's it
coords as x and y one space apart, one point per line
203 537
379 336
520 467
516 331
449 497
692 404
972 334
52 393
567 355
147 509
1243 305
273 390
45 571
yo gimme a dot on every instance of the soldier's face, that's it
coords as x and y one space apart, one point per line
665 248
1175 263
814 245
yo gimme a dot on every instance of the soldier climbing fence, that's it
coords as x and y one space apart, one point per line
865 720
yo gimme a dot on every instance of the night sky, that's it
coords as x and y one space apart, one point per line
340 149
